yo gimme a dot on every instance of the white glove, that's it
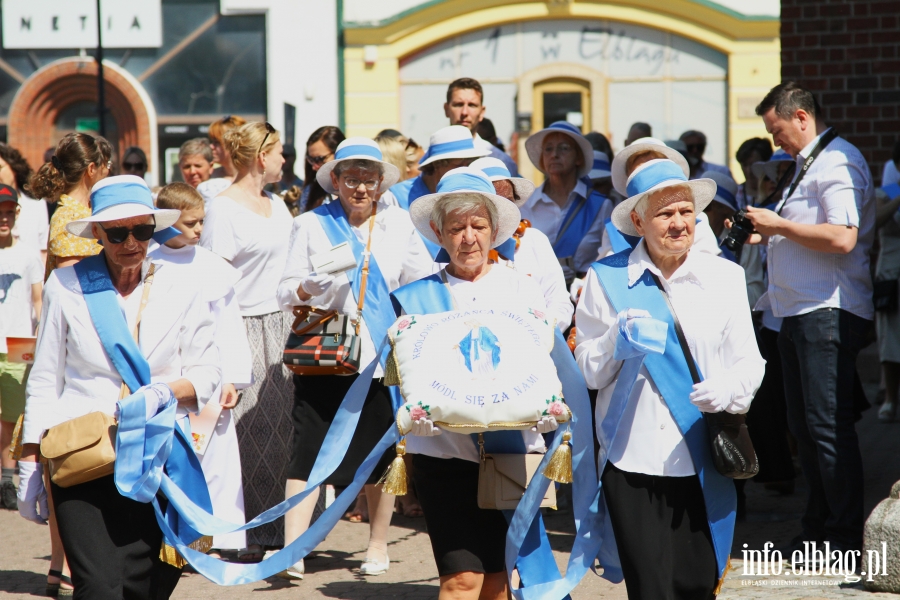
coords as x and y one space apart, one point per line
546 425
31 495
712 395
156 397
316 285
424 428
575 289
625 325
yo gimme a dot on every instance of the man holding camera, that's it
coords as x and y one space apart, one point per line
819 236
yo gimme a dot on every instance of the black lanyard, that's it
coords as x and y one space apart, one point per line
826 139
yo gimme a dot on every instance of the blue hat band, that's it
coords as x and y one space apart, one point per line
497 172
565 126
120 193
653 175
464 182
447 148
601 165
726 195
360 150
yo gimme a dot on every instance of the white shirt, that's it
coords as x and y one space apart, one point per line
396 247
709 297
752 263
254 245
217 279
33 223
535 258
890 174
20 268
499 288
837 190
547 216
72 374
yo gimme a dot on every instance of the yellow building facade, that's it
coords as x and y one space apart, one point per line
678 65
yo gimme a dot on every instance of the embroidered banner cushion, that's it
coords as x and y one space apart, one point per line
476 370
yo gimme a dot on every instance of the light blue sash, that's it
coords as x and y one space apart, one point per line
577 222
407 192
377 311
527 547
673 380
618 240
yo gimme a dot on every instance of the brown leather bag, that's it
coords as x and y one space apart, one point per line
81 449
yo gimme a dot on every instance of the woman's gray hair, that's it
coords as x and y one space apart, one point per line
358 163
464 203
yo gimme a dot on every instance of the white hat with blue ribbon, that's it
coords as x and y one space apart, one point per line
620 178
121 197
726 189
769 168
496 170
454 141
534 145
357 148
653 176
601 168
466 181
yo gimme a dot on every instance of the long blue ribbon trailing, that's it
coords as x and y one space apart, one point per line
673 380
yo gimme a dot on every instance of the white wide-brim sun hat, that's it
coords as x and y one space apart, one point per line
497 171
769 168
121 197
466 181
620 178
655 175
535 143
726 189
357 148
453 141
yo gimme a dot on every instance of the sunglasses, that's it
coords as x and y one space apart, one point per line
318 160
141 233
133 166
269 131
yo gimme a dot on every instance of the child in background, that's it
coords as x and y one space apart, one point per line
21 280
221 461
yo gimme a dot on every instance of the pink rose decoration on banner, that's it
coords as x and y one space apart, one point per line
539 314
417 413
405 324
557 409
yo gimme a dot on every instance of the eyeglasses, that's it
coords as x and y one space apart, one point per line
141 233
560 148
353 183
269 131
318 160
133 166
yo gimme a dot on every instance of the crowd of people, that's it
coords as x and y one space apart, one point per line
682 294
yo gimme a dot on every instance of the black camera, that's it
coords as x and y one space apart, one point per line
741 228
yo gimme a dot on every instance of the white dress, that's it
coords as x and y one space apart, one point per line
221 461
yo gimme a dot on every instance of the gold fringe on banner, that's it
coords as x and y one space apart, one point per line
724 575
15 449
169 555
559 469
391 370
394 479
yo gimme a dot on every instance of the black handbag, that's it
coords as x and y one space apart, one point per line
731 446
885 295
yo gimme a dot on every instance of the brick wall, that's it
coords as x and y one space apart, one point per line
848 53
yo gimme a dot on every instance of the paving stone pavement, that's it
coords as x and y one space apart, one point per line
25 547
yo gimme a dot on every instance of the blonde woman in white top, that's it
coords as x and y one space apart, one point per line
250 229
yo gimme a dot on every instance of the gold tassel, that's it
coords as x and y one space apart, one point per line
391 370
169 555
560 467
724 575
15 449
394 479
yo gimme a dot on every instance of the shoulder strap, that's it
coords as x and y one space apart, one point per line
682 340
124 392
826 139
365 269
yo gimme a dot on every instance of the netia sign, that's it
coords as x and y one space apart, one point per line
36 24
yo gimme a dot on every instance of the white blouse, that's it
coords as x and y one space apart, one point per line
72 374
535 258
501 287
255 245
396 246
710 298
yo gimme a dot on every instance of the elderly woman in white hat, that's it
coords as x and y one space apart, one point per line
565 207
528 250
112 542
467 218
357 177
672 513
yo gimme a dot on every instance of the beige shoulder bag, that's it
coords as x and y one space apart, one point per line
503 478
84 448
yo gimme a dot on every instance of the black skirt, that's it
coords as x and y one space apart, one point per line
316 401
463 536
